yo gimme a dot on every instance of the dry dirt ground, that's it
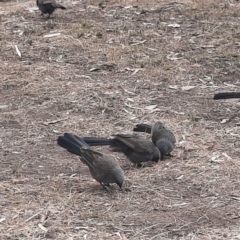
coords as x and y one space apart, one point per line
98 70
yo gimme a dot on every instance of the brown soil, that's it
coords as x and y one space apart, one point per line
108 67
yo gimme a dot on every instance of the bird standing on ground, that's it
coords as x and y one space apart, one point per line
104 169
135 148
226 95
48 6
162 137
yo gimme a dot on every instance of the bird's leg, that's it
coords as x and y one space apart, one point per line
139 165
105 186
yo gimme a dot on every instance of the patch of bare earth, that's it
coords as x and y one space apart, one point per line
108 67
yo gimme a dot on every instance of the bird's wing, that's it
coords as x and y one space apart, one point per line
169 135
135 143
96 160
159 131
163 133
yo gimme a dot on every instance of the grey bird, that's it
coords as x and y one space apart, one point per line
226 95
48 6
162 137
104 169
135 148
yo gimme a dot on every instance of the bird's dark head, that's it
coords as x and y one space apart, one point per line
119 177
119 184
158 126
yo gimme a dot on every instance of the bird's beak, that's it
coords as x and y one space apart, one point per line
119 184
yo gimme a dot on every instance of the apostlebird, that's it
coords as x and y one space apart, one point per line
48 6
162 137
135 148
226 95
104 169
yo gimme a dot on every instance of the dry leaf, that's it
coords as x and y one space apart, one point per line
186 88
174 25
173 86
224 120
52 35
150 107
3 106
180 177
18 52
42 227
225 155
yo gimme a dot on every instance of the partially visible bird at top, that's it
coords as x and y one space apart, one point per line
104 169
48 6
162 137
226 95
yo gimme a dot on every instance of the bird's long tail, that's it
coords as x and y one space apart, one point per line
142 128
115 144
72 143
94 141
56 5
226 95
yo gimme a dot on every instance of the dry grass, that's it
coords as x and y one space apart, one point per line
109 69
